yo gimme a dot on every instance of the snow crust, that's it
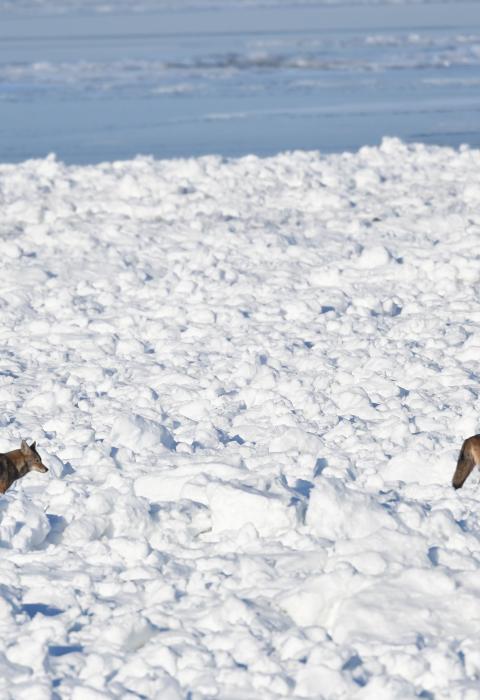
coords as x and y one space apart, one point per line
250 380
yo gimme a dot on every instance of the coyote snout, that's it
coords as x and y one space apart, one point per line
469 456
17 463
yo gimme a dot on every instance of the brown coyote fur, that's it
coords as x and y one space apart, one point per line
17 463
469 456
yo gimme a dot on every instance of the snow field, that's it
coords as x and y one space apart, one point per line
250 380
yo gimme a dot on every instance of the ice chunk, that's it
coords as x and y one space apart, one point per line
372 257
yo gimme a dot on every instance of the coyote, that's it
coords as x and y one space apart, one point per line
469 456
17 463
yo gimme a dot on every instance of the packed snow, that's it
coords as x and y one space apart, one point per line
250 380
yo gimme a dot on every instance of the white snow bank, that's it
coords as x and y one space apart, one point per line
336 511
250 380
234 506
186 479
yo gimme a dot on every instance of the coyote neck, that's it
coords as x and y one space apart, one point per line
12 467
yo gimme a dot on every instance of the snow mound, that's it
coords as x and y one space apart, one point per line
336 511
234 507
138 433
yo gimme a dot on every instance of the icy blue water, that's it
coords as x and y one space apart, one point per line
96 87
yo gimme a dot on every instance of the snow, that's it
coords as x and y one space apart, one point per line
250 380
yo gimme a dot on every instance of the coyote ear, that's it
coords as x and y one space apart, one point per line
33 446
24 447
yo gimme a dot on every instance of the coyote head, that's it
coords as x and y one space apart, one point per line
32 462
467 459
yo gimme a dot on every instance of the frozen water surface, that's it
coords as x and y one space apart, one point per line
185 79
